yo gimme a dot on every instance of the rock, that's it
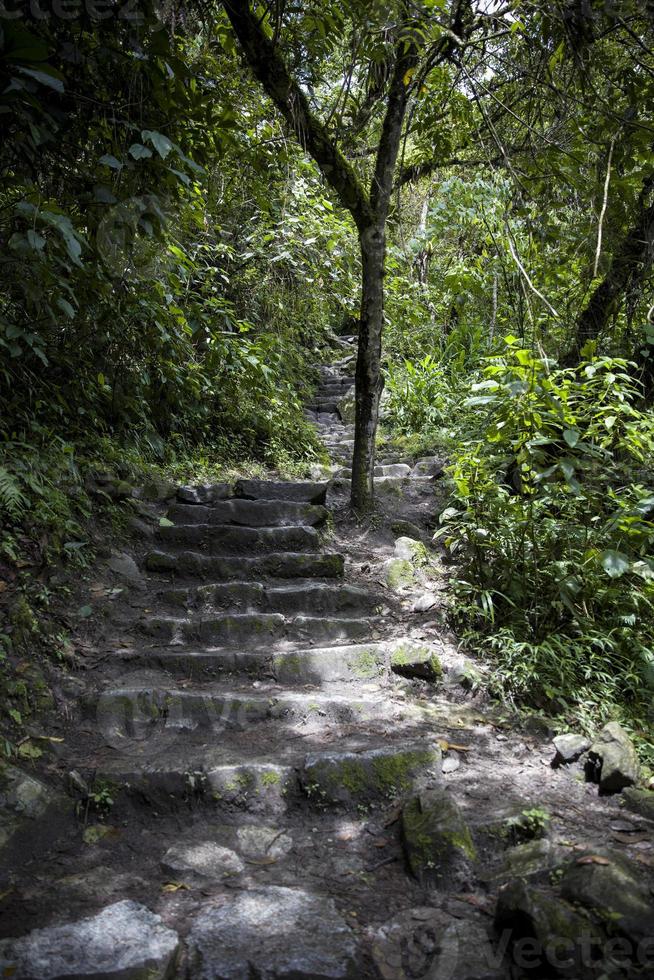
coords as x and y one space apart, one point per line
424 602
124 941
436 838
405 529
400 574
409 549
346 407
544 932
261 843
430 943
376 774
411 660
429 466
157 490
518 822
614 889
395 470
204 495
118 489
534 858
612 760
124 566
569 747
302 491
537 726
451 762
203 858
639 801
465 674
273 934
22 798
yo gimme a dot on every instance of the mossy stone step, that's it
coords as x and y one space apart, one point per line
231 539
207 494
306 491
256 628
135 711
371 775
294 666
300 597
286 565
251 513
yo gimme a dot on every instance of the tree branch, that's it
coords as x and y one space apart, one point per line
270 69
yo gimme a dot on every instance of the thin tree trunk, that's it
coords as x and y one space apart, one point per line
369 379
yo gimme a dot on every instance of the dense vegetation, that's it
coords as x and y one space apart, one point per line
187 196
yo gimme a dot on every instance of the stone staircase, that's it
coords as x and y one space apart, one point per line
267 730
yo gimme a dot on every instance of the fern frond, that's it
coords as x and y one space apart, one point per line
13 501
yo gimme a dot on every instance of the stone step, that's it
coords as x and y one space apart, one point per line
295 665
251 513
399 470
136 711
258 629
288 664
225 539
307 491
260 774
301 596
206 494
323 405
285 565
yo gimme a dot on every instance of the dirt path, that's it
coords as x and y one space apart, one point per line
282 768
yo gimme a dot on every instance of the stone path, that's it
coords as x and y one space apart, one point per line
302 783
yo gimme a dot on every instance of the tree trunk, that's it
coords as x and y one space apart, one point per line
369 380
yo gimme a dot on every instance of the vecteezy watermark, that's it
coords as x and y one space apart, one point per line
446 953
129 11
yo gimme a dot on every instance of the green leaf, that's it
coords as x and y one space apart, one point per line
36 241
615 563
164 522
109 161
571 436
84 612
45 76
139 152
161 143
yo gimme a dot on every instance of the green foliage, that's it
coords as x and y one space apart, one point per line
554 531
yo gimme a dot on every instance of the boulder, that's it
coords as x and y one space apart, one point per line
569 747
433 944
436 838
413 660
399 574
157 489
430 466
612 760
124 566
376 774
545 935
22 798
533 859
610 886
204 859
406 529
271 933
640 801
124 941
409 549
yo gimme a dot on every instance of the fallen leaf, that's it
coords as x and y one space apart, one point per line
263 862
97 832
174 886
646 859
592 859
382 842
